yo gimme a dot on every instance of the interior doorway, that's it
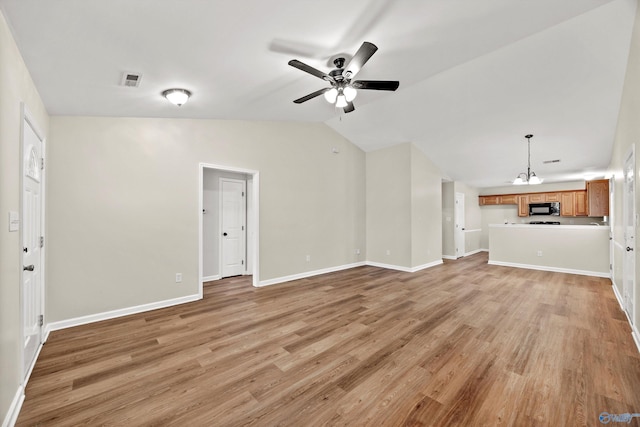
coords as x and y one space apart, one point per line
233 220
229 202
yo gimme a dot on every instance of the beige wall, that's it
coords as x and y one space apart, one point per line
16 87
627 134
500 214
389 205
123 204
573 248
426 210
404 207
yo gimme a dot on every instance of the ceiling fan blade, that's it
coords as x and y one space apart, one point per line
311 95
309 69
349 108
376 84
361 57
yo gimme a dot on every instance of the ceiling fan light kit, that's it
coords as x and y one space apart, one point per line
177 96
343 88
529 177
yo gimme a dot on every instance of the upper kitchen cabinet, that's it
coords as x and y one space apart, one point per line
552 197
502 199
523 205
568 203
509 199
489 200
597 197
594 201
581 203
537 198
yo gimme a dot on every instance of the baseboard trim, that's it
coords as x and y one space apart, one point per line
35 359
449 257
404 269
636 336
83 320
11 417
477 251
306 274
552 269
211 278
618 296
634 332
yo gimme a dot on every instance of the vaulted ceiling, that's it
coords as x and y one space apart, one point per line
475 77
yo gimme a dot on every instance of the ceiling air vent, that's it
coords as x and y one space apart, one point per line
546 162
131 79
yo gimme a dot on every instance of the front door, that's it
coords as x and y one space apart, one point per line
629 224
31 244
232 226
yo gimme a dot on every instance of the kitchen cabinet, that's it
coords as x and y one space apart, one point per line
537 198
489 200
594 201
552 197
567 203
509 199
597 195
573 203
580 205
503 199
523 205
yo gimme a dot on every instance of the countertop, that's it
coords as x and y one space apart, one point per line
560 227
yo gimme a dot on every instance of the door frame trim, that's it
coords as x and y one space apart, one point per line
631 152
26 118
459 234
255 255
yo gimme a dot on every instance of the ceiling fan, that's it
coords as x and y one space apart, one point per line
343 88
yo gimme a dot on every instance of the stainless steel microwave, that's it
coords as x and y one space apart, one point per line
552 208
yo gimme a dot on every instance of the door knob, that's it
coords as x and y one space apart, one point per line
28 267
224 234
629 249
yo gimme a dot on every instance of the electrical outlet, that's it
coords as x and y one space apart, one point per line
357 251
388 252
178 277
308 258
539 253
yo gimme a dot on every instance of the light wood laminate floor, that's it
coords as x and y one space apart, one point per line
464 344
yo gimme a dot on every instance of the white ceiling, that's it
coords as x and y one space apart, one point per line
475 77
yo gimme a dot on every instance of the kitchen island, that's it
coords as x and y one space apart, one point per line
576 249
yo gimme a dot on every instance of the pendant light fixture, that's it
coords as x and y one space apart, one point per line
530 176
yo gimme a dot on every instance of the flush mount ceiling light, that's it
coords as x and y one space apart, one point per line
177 96
529 177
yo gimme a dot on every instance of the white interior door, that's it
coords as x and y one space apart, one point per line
459 224
629 224
31 244
232 226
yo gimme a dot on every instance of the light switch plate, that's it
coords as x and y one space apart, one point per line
14 221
